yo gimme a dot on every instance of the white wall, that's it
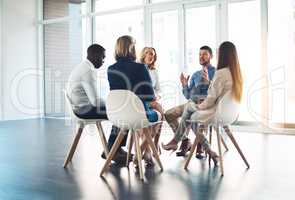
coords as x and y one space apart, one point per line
20 83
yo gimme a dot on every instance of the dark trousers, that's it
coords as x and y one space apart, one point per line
90 112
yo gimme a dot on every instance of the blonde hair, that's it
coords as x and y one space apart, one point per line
125 48
143 53
228 57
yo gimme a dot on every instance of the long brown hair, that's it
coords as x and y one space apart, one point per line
143 53
228 57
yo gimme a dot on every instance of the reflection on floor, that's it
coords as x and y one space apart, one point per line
32 154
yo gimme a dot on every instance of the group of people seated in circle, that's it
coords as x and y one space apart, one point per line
203 90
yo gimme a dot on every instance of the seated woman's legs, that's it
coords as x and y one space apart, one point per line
153 115
155 131
205 144
199 151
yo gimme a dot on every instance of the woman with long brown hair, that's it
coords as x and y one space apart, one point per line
227 78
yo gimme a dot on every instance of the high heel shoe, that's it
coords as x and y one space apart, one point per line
135 163
148 160
172 145
214 157
199 152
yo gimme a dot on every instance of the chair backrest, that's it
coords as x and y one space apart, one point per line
125 110
69 105
227 109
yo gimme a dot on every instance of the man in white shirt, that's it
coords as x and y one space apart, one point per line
83 93
82 85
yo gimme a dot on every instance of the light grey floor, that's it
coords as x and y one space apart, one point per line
32 154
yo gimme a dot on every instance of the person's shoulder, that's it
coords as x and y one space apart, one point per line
222 72
81 68
81 64
155 70
139 65
113 66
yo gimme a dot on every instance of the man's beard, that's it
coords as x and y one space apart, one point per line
205 63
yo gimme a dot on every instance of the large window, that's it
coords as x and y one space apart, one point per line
165 37
104 5
199 32
109 27
245 32
63 47
281 60
262 30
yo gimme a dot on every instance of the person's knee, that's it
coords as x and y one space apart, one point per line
168 115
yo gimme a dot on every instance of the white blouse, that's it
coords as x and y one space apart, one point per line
155 80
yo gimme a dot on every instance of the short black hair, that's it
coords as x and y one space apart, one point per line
208 49
95 49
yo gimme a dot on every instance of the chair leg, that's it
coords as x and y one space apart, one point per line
113 151
223 143
157 138
152 145
130 145
230 135
192 148
219 150
210 142
138 153
74 146
102 138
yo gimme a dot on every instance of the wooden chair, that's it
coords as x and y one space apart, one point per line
227 112
81 123
126 111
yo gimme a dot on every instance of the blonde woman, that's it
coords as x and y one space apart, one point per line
227 78
148 57
126 74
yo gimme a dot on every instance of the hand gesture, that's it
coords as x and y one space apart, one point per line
184 80
205 76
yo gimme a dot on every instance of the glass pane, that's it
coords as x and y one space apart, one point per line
63 8
109 28
198 34
103 5
157 1
63 49
281 62
245 33
165 41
